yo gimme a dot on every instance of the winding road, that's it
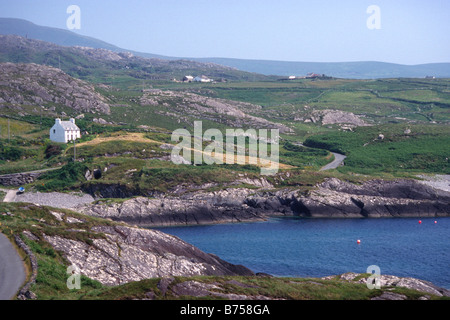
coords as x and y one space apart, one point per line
12 270
338 159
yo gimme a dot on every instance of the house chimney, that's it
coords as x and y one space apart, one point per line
72 120
57 120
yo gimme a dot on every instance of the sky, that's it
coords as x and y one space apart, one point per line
399 31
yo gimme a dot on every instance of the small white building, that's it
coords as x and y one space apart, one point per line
202 79
64 131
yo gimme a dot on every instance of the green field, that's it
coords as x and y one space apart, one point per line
426 148
389 106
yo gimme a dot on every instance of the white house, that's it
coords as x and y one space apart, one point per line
64 131
202 79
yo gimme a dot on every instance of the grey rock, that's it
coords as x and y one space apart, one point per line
332 198
336 117
390 296
388 281
33 84
131 254
233 113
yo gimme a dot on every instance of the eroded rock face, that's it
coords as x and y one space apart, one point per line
375 198
193 208
332 198
131 254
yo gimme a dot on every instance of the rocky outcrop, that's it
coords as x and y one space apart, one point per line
331 199
336 117
232 113
34 84
386 282
375 198
128 254
193 208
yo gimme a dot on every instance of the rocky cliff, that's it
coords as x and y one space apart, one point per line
331 199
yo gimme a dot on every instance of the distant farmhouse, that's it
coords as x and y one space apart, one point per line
197 79
202 79
310 75
64 131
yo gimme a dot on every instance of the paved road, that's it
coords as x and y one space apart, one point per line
338 159
12 270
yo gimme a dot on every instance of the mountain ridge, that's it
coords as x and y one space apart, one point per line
351 70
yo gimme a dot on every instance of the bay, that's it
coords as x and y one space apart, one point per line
298 247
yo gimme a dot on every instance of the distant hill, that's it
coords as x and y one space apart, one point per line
105 66
58 36
350 70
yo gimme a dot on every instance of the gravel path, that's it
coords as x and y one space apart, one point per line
55 199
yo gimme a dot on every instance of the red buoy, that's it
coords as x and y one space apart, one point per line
420 221
358 241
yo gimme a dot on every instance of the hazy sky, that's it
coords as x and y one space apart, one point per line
412 31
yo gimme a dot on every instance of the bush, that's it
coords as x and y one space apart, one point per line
63 178
10 153
52 150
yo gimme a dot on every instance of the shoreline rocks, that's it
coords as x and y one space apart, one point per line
331 199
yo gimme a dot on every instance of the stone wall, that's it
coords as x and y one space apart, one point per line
25 293
19 179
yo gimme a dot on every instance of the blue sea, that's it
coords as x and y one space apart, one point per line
302 247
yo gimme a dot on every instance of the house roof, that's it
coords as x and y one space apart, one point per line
67 125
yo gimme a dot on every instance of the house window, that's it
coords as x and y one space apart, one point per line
54 130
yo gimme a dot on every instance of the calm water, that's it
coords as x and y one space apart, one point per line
322 247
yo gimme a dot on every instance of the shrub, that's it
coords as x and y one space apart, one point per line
10 153
52 150
63 178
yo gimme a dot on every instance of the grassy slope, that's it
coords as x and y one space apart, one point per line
425 149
